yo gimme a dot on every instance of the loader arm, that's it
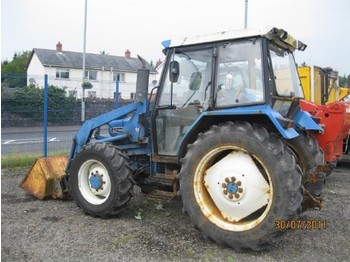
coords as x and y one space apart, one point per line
82 137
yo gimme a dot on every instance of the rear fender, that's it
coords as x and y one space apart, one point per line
261 111
303 120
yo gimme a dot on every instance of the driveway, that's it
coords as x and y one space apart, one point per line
52 230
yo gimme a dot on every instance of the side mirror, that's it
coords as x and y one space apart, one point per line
174 71
195 81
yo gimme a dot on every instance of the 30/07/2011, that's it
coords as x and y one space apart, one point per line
301 224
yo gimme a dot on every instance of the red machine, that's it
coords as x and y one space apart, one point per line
335 118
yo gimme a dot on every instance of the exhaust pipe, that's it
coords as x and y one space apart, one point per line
142 81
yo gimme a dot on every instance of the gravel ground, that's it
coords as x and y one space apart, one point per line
52 230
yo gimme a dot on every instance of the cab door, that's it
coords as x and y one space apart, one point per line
184 93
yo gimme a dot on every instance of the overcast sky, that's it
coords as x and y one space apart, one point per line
139 25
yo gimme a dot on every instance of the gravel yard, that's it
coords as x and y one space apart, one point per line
52 230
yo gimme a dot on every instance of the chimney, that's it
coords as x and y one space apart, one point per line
127 54
158 63
59 47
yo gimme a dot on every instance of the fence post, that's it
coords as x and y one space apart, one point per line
117 92
46 96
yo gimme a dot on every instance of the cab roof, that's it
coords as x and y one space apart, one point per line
279 36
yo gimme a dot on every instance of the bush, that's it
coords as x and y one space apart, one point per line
28 102
13 80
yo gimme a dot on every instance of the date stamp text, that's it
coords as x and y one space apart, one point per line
301 224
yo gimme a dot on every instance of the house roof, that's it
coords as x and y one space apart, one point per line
68 59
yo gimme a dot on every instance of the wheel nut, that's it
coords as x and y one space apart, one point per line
240 190
227 180
225 192
233 179
230 196
236 195
239 183
223 185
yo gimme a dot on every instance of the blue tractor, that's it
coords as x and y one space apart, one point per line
223 130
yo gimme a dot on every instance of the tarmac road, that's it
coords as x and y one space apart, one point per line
31 139
52 230
22 140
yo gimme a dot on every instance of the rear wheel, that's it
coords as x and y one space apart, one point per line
310 158
100 180
236 182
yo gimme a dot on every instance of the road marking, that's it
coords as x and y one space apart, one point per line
8 142
29 141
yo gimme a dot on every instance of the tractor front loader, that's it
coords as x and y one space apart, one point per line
225 132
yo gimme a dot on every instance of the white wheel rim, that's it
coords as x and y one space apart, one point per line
94 182
232 192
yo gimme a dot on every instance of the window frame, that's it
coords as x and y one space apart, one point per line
59 72
87 75
72 93
92 94
121 76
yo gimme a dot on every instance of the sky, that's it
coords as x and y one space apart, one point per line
140 26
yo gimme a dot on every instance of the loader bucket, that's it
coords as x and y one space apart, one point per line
45 178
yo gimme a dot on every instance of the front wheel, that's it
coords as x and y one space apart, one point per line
237 182
100 180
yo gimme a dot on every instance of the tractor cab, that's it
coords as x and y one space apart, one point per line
221 73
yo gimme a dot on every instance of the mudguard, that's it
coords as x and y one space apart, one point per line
287 133
303 120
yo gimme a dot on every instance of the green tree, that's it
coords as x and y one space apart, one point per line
13 73
344 81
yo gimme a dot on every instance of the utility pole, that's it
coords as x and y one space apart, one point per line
246 14
84 51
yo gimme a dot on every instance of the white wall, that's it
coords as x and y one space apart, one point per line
36 71
104 86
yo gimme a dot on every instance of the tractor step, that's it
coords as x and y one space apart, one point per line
160 196
165 181
162 179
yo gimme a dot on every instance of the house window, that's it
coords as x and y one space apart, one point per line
72 93
92 93
91 75
62 73
119 95
121 76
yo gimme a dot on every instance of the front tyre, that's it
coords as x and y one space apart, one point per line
237 182
100 180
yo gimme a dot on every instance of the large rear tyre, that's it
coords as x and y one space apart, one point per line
237 182
309 157
100 180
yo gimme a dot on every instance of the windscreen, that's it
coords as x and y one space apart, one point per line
239 74
192 65
285 72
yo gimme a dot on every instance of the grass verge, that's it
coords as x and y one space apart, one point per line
18 161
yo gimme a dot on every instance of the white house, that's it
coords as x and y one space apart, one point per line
65 70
